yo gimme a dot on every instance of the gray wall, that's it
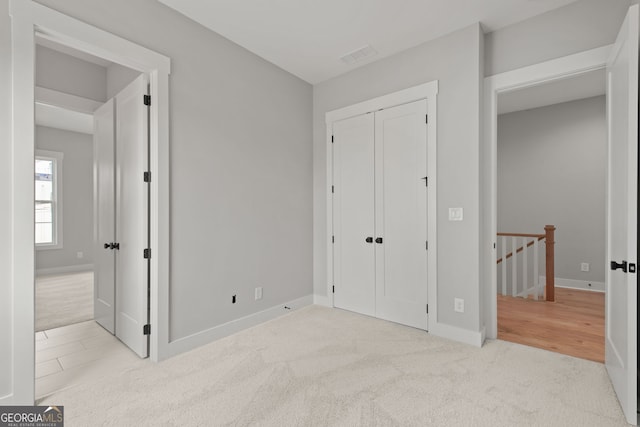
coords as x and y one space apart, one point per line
6 294
77 197
455 61
579 26
552 169
68 74
241 180
118 77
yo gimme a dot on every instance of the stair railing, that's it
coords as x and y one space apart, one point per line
512 244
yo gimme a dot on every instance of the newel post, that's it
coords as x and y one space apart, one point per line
549 231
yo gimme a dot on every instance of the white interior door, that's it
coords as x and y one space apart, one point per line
353 214
104 291
621 278
401 214
132 219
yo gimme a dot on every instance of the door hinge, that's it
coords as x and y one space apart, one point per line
333 239
147 177
426 181
147 253
333 289
146 329
333 189
426 118
147 99
427 308
332 139
426 245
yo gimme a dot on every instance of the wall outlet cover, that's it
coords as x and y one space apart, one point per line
584 266
458 305
455 214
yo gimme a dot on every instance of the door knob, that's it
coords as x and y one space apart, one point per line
378 239
622 265
115 246
369 240
107 245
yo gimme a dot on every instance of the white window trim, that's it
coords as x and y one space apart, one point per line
58 210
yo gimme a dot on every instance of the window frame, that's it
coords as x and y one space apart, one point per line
56 203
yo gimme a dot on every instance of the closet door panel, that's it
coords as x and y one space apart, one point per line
353 214
401 214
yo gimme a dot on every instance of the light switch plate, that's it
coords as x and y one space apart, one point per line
455 214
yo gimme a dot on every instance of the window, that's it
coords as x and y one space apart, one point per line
48 203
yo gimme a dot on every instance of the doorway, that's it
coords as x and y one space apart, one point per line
29 19
71 87
621 62
551 177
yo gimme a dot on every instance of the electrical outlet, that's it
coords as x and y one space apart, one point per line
455 214
258 293
458 305
584 266
79 255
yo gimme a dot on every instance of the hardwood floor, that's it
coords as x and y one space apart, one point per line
572 325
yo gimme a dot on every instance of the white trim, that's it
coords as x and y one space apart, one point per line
207 336
64 269
533 75
575 284
65 100
58 200
27 17
428 91
322 300
454 333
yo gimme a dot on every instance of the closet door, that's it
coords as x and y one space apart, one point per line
401 214
353 214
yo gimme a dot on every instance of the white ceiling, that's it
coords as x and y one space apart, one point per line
308 37
582 86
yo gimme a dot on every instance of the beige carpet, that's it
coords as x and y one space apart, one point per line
327 367
63 300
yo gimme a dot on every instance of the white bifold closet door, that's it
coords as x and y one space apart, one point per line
380 214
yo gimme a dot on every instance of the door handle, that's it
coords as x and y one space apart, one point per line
112 245
369 240
378 239
622 265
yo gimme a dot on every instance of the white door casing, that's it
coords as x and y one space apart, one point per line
104 291
132 216
622 215
401 214
353 177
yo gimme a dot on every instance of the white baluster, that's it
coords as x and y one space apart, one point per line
514 267
504 265
536 275
525 272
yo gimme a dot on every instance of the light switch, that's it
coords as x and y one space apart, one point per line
455 214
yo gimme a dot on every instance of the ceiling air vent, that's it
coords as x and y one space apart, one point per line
358 54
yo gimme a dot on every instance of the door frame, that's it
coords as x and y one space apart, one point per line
27 19
530 76
428 91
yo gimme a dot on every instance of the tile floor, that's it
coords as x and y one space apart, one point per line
77 354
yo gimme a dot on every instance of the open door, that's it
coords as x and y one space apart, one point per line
104 291
132 216
622 216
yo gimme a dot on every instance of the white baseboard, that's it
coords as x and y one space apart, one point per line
64 269
207 336
322 300
454 333
575 284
